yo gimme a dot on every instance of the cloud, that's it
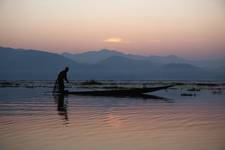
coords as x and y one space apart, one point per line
114 40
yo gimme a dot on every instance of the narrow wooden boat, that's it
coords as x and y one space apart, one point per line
131 92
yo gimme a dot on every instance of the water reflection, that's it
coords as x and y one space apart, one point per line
62 104
104 102
98 123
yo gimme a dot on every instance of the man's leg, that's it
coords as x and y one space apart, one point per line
61 86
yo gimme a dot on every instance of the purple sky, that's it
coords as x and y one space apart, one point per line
188 28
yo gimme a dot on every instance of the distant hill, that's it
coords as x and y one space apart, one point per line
168 59
125 63
211 63
94 57
32 64
105 64
182 71
176 66
120 67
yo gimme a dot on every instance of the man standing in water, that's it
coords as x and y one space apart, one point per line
60 80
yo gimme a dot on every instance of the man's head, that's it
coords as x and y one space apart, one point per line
67 69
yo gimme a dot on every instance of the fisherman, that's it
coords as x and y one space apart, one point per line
60 80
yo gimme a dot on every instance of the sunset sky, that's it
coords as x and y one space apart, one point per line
188 28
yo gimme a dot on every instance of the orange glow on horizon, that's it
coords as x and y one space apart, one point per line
114 40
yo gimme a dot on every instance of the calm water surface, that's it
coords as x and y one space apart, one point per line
31 118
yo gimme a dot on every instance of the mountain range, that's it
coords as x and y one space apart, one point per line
93 57
21 64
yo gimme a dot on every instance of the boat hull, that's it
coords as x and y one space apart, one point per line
132 92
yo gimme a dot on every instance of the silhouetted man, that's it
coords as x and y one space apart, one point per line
60 79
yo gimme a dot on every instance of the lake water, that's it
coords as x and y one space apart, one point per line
32 118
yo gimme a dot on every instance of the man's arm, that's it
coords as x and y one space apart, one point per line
66 78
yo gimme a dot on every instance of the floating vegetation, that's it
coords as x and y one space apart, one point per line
194 89
187 94
208 84
91 82
26 84
179 83
217 92
9 84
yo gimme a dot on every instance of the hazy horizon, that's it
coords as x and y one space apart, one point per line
190 29
116 50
